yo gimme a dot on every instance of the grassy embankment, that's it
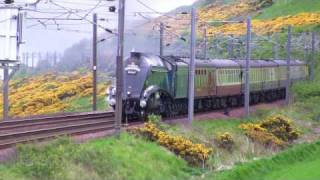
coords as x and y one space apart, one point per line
299 162
110 158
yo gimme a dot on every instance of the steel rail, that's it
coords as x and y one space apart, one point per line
20 131
55 117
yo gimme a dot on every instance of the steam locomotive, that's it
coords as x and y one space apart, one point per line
159 85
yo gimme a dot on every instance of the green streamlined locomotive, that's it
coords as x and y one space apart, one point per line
159 85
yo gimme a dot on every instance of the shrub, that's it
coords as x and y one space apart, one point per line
274 130
196 154
306 90
224 140
282 127
258 134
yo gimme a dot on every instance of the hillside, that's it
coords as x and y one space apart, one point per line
268 17
52 93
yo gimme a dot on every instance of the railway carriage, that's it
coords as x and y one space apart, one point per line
159 85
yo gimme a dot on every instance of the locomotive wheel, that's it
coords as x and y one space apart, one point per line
159 104
153 104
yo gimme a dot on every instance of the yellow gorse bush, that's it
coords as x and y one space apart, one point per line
267 26
47 93
261 135
194 153
282 127
221 12
274 130
240 8
224 140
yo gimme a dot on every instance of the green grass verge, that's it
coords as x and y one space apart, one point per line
289 165
124 158
289 7
84 104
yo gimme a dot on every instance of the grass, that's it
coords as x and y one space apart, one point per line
307 96
305 112
84 104
285 165
300 170
134 158
124 158
289 7
204 132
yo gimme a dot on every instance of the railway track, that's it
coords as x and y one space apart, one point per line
39 128
35 129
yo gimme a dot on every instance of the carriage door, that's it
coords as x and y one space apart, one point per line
212 82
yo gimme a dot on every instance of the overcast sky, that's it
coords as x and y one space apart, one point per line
42 36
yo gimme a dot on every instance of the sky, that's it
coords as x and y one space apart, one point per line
43 36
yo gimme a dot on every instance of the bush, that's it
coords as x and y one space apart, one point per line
196 154
275 130
306 90
282 127
258 134
225 141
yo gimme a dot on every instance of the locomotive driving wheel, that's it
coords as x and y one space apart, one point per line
159 104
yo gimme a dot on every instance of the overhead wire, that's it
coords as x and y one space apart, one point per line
153 10
71 11
4 20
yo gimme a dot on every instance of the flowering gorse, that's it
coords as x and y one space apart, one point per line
275 130
224 140
49 93
194 153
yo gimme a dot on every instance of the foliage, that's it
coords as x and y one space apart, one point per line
307 97
49 93
124 158
155 119
272 17
289 7
275 130
289 164
268 26
44 162
196 154
282 127
84 104
224 140
306 90
221 12
261 135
